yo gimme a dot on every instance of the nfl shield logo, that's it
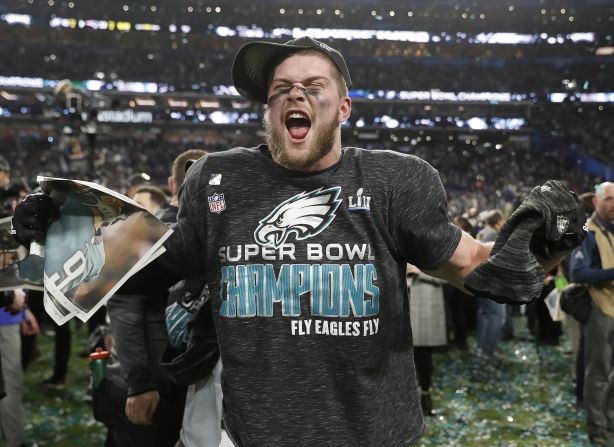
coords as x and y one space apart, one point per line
562 223
217 204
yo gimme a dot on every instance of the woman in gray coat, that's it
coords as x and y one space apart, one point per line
428 324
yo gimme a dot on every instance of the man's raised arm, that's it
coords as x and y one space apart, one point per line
547 225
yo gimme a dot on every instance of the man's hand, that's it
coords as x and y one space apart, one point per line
140 408
32 217
549 223
564 226
29 325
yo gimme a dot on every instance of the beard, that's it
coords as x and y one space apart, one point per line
319 147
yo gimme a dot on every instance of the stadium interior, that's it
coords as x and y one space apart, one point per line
498 95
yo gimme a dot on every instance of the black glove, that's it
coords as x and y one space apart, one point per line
564 226
550 221
32 218
562 220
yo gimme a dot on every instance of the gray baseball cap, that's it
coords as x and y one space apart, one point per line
255 61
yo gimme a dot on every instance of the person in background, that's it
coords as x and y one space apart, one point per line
461 307
593 263
11 407
574 329
138 401
491 315
188 304
472 217
149 197
136 180
588 201
29 325
541 325
15 319
428 327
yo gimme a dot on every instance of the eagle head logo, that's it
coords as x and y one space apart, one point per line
305 215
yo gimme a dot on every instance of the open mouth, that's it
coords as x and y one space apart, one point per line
298 125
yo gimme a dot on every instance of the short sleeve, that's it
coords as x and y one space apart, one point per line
420 224
186 246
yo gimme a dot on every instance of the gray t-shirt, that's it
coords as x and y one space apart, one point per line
307 277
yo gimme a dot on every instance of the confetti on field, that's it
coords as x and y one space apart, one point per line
526 399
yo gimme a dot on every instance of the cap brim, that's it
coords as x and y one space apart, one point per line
252 64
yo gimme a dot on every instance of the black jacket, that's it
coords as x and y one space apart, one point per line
139 332
201 355
139 338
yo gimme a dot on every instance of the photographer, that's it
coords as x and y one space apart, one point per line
77 113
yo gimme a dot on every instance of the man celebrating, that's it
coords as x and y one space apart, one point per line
304 246
593 263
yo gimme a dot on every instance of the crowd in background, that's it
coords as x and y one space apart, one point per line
441 315
200 62
523 17
475 175
486 174
201 58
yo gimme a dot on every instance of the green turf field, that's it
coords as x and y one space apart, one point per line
525 400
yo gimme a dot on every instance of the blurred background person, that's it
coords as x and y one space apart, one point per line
461 308
574 329
491 315
149 197
593 263
135 181
15 319
12 319
542 327
428 328
138 401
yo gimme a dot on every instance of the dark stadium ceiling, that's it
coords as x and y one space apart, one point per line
171 59
510 15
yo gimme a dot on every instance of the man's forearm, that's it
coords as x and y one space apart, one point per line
469 254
